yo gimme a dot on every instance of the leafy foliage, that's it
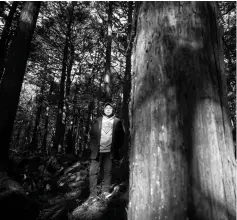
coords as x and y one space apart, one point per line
228 21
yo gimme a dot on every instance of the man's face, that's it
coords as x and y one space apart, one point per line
108 110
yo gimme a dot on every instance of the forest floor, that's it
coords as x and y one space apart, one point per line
56 188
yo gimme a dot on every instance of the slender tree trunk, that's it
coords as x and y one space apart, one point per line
11 82
46 119
69 70
60 123
182 160
107 75
5 36
46 122
39 102
34 141
28 128
76 113
81 137
98 101
76 128
18 135
127 79
91 104
70 140
68 83
88 121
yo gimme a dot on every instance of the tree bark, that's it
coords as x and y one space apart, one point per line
11 82
39 104
107 75
182 160
5 36
127 79
69 71
28 127
70 140
60 122
18 134
88 121
68 83
46 122
76 115
34 140
46 119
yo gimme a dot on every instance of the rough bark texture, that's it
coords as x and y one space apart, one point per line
12 79
182 160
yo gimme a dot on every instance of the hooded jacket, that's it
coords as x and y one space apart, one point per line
117 138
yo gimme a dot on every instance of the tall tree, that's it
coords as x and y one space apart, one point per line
11 82
182 160
107 75
39 108
60 123
127 75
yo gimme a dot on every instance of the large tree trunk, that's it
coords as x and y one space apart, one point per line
11 82
5 36
182 160
107 75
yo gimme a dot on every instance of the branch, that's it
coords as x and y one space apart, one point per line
228 10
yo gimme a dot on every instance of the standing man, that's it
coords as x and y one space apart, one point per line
107 135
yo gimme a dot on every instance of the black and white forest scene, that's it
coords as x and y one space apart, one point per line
118 110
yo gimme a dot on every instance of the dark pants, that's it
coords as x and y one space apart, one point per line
104 162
